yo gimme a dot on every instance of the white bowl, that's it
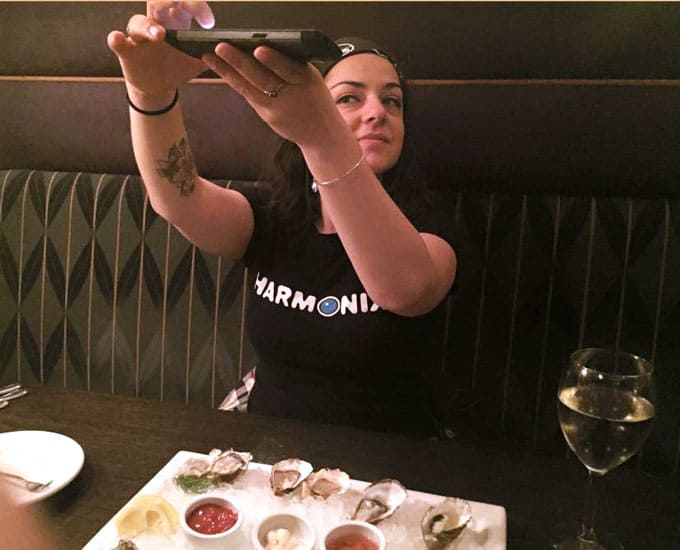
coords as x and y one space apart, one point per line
353 528
204 537
295 525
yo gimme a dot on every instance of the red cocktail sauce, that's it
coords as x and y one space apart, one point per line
210 519
351 542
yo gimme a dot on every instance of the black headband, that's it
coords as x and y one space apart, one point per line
353 45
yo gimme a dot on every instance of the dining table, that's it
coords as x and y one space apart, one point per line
127 440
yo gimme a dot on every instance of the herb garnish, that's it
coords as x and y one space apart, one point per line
195 484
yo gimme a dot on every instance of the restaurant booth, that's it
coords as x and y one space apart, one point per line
552 130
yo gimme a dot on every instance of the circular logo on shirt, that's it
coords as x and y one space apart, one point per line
329 306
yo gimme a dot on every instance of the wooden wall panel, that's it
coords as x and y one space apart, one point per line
439 40
573 138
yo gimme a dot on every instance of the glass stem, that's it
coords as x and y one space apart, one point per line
587 533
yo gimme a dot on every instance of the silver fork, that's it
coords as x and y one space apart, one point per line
32 486
12 391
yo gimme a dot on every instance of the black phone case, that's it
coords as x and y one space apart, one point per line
301 44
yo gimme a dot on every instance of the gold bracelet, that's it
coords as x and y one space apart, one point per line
343 176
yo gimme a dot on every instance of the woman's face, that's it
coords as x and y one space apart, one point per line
368 95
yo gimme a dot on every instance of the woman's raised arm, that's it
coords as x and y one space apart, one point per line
217 220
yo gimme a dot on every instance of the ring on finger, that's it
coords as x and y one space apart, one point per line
276 91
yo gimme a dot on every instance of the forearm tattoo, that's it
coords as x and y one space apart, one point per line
179 169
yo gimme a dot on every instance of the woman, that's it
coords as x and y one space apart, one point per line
344 285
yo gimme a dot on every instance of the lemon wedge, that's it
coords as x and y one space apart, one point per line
147 514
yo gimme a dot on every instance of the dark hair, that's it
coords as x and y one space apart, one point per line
293 203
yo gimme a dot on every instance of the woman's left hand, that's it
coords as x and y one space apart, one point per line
291 97
179 15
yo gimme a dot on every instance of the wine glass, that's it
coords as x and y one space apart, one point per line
605 404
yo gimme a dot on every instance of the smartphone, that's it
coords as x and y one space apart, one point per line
301 44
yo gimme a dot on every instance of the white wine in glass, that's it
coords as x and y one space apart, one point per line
605 404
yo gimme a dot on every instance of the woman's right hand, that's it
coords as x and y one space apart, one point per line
151 67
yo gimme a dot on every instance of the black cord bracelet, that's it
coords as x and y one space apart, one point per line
154 113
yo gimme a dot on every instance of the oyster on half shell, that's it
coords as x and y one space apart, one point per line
380 500
227 464
195 467
286 475
327 482
444 522
198 475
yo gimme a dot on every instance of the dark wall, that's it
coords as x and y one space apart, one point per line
462 40
564 139
615 130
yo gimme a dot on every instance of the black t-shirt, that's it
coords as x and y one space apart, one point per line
325 351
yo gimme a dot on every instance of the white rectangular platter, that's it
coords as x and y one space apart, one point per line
252 492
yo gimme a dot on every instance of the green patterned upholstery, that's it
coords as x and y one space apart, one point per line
98 292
